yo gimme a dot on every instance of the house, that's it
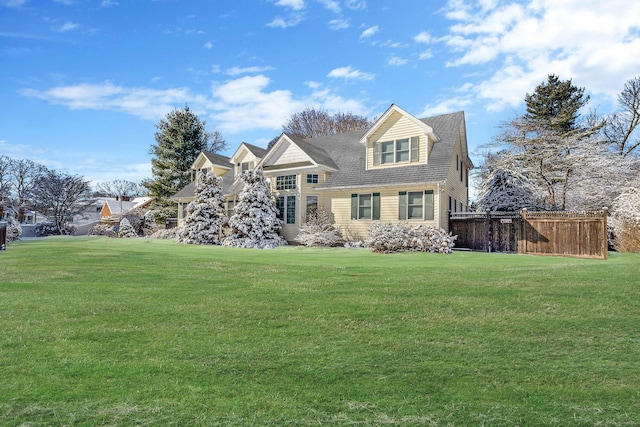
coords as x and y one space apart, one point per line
119 205
401 169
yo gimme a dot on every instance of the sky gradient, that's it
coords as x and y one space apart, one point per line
84 82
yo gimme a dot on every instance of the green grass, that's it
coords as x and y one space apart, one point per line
100 331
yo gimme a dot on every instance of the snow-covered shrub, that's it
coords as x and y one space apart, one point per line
388 237
398 237
427 238
14 230
50 228
149 225
205 214
318 230
255 223
126 230
360 244
164 233
625 221
102 230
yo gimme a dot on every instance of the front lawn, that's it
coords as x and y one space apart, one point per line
98 331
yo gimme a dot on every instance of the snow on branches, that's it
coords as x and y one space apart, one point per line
625 221
255 223
205 214
126 230
318 230
400 236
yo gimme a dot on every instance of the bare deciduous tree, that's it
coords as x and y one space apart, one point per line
621 127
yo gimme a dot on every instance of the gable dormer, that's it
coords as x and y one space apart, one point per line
208 161
397 139
246 157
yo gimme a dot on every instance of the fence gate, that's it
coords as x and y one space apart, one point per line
486 231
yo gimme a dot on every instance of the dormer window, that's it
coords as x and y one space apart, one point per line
245 166
404 150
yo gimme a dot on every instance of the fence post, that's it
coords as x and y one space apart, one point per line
3 236
489 235
605 243
523 231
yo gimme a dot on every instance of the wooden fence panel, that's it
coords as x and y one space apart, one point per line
580 234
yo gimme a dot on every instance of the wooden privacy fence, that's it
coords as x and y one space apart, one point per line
579 234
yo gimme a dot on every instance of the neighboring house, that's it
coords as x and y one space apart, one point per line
400 169
121 205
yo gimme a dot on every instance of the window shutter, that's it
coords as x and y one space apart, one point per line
375 206
402 205
376 153
415 149
428 204
354 206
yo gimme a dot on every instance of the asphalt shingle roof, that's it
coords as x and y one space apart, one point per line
350 157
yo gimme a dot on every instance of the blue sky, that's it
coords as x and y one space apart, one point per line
84 82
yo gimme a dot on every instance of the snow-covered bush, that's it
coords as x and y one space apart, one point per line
427 238
398 237
318 230
255 223
50 228
389 237
205 214
126 230
625 221
102 230
164 233
149 225
14 230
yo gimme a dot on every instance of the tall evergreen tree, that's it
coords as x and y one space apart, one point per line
255 223
555 104
180 137
205 214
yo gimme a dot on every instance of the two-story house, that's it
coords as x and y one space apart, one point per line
401 169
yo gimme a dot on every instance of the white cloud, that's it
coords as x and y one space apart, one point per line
238 105
234 71
279 22
349 73
520 43
67 26
369 32
339 24
422 37
13 3
356 4
108 3
447 106
142 102
396 61
426 54
293 4
67 2
332 5
208 45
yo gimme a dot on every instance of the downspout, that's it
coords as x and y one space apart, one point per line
439 203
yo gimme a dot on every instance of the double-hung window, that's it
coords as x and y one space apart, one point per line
286 206
415 205
404 150
312 206
365 206
286 182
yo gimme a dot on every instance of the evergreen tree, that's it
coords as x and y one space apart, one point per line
205 214
255 222
180 137
555 104
126 230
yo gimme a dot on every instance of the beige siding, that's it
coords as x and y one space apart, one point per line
340 206
292 155
397 126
